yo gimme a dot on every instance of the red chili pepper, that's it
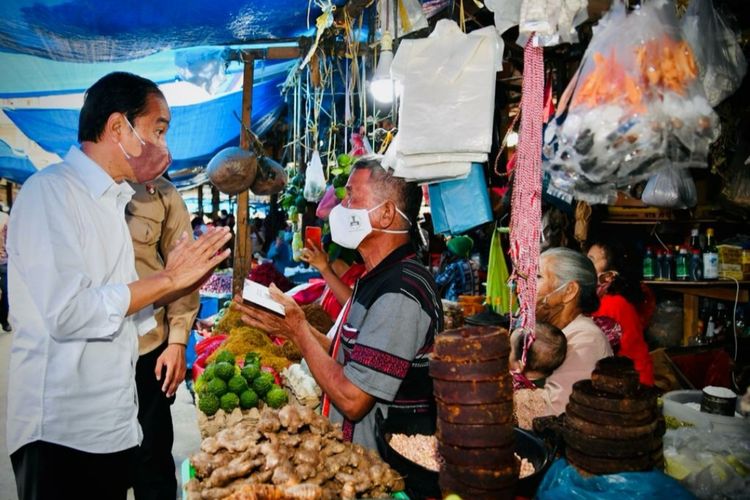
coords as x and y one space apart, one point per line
276 377
210 343
276 340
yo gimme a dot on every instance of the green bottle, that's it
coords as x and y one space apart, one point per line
648 265
681 264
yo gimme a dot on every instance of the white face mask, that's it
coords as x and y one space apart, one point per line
349 226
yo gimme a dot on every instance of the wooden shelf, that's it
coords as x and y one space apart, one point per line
706 283
691 291
649 222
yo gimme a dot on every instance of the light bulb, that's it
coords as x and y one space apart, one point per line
381 85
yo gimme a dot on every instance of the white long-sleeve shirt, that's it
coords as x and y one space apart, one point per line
72 363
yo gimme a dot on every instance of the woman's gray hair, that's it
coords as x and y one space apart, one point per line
569 265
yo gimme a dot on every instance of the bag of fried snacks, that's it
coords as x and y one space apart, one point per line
634 106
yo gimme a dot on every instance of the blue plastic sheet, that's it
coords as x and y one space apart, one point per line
460 205
563 481
111 30
15 167
196 132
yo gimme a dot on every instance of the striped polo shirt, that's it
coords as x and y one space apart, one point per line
386 339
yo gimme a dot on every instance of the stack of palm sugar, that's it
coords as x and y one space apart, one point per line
474 395
612 422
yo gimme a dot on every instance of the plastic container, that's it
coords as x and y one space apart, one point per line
674 405
719 401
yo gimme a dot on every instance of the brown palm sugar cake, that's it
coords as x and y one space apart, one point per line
612 423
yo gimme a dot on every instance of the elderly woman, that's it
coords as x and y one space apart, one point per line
566 294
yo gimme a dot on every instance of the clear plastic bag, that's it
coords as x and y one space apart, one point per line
634 107
410 16
737 184
709 464
315 181
720 58
670 188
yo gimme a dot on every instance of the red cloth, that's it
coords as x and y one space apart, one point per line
311 293
329 302
632 343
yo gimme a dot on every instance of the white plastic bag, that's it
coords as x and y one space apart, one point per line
315 181
720 58
457 71
410 16
670 188
507 13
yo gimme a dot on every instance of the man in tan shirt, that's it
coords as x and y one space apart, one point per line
157 217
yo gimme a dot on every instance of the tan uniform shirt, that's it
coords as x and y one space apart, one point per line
157 217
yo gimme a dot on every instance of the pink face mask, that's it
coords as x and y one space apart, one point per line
151 163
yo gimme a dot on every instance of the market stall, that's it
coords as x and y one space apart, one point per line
612 134
633 113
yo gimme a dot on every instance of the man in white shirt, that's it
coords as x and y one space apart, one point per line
77 304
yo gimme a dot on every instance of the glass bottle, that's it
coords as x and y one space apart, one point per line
682 267
648 265
710 257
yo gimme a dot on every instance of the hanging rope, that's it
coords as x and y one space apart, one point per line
526 203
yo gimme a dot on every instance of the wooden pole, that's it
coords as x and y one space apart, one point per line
9 194
215 201
200 200
243 247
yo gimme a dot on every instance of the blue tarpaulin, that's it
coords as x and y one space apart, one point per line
111 30
13 166
52 50
196 132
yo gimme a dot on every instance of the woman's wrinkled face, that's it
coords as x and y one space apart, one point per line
546 281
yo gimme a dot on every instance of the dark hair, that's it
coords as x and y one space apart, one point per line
548 350
406 195
618 258
570 265
117 92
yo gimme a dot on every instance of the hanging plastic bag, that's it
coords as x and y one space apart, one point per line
410 16
315 181
737 184
670 188
460 205
720 58
634 106
498 296
327 203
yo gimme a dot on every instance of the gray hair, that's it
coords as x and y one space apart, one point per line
406 195
569 266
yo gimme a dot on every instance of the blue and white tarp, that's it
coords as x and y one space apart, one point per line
52 50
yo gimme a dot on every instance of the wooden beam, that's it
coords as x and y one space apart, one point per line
689 318
353 9
215 200
9 194
289 52
243 247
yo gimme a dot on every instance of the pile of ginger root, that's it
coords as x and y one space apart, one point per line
291 453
